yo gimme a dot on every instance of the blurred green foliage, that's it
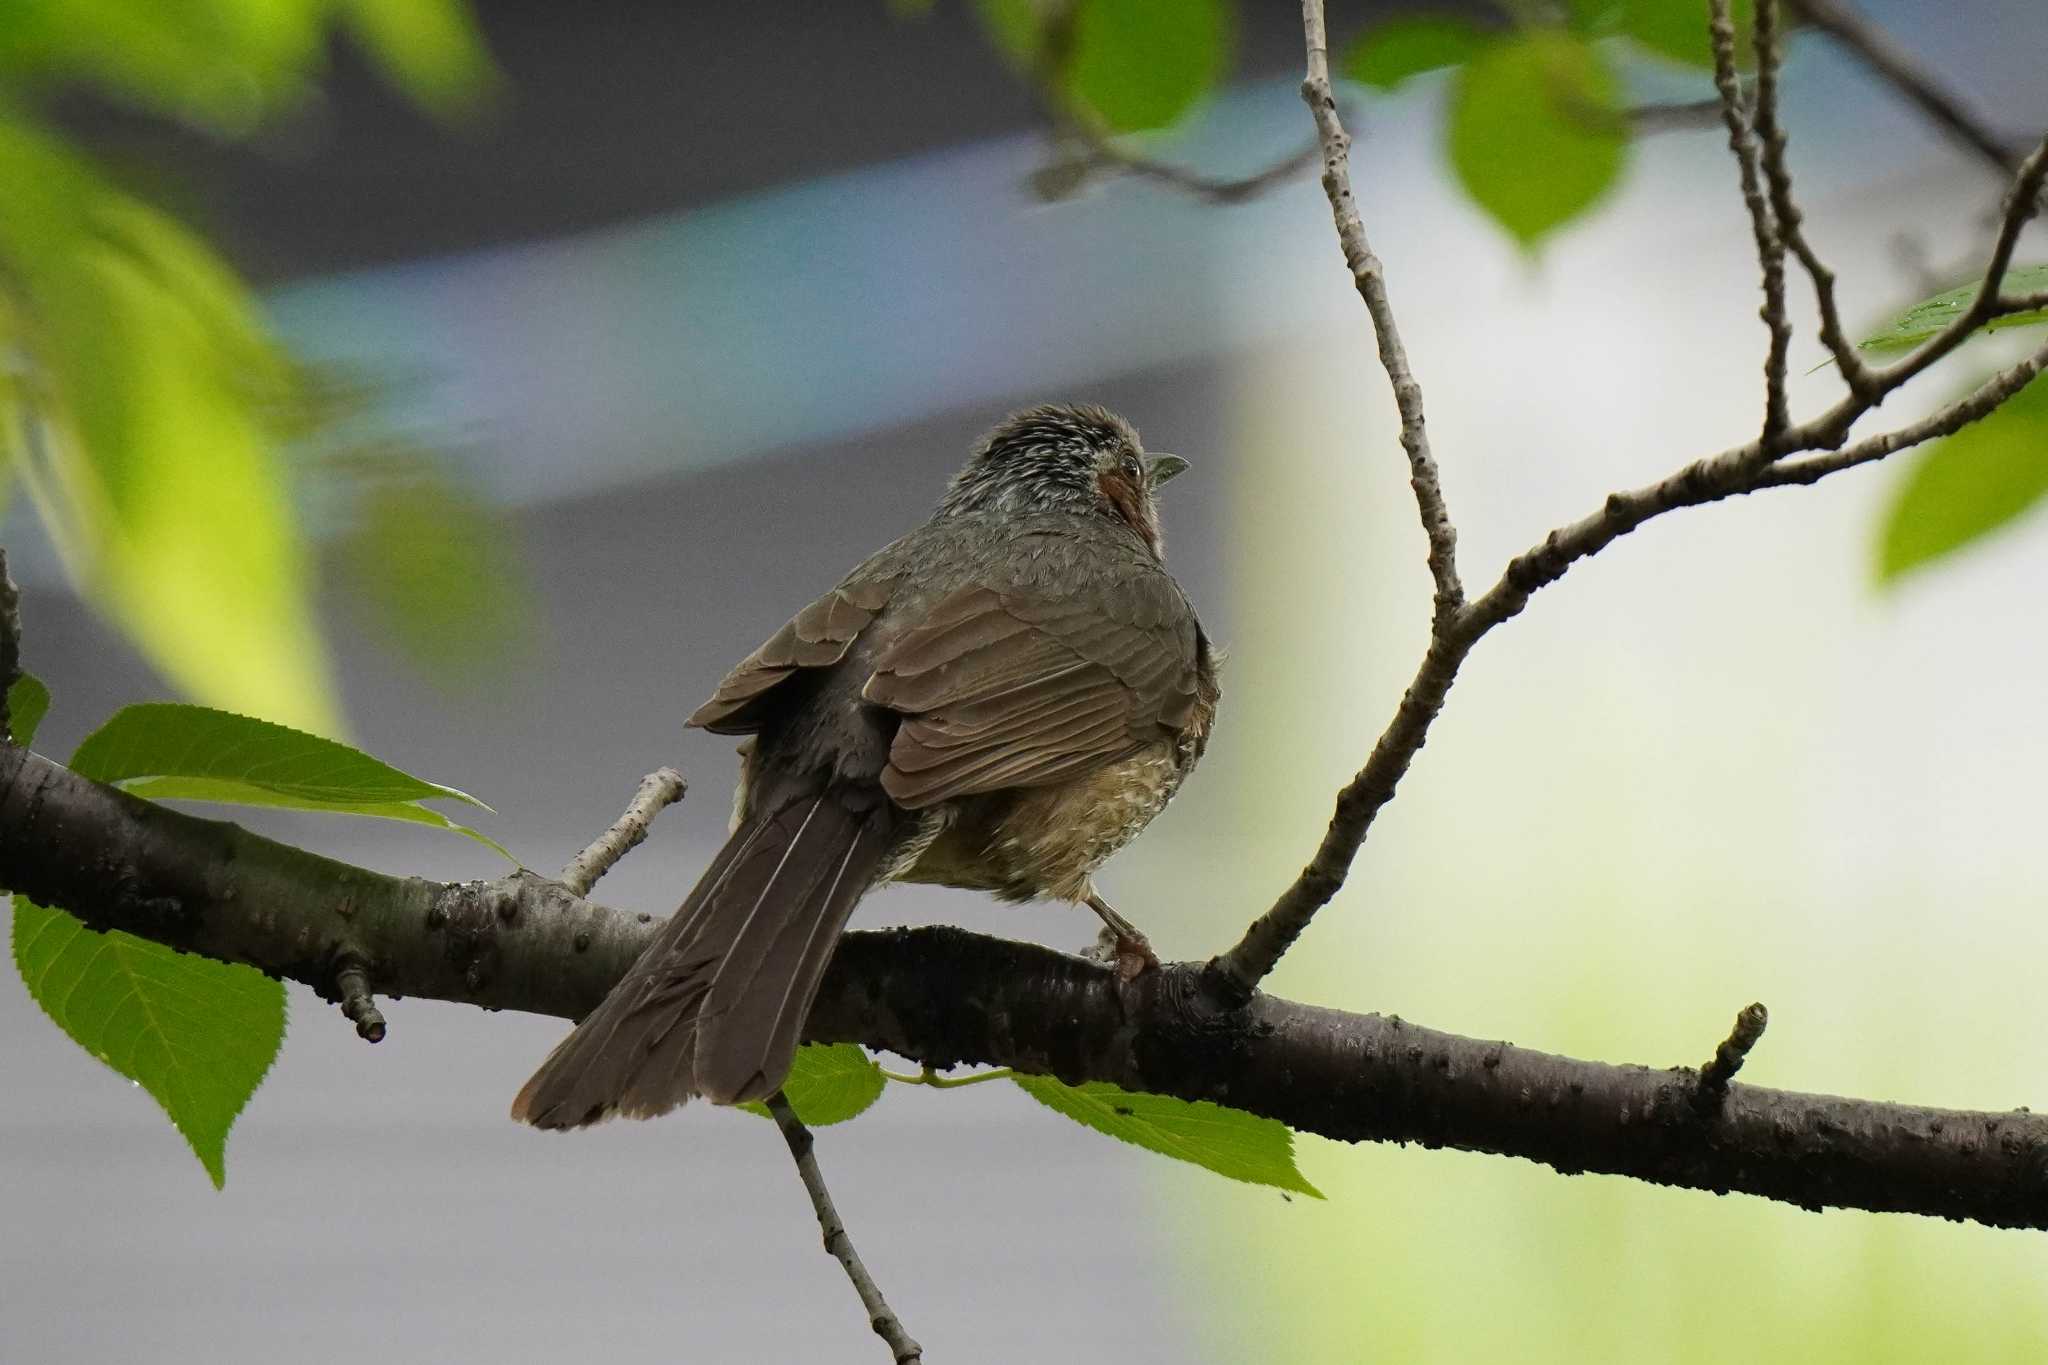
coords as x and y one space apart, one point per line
1963 487
146 403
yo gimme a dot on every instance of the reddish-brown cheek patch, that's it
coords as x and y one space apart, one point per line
1129 503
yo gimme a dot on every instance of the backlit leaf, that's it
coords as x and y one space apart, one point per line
1963 487
1926 318
1536 132
28 701
829 1083
1677 29
1389 53
1142 64
1259 1151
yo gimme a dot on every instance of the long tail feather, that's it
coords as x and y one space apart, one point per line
715 1004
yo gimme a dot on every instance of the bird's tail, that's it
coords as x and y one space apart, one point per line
715 1004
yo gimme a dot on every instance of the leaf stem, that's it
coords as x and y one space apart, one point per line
937 1082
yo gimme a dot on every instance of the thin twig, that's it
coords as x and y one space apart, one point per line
659 790
1730 1055
1095 151
352 985
880 1316
1902 69
1369 275
10 646
1234 974
1685 117
1770 248
1785 209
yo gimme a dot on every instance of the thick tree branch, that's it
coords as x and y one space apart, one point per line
944 997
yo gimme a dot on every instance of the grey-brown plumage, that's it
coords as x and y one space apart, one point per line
1000 700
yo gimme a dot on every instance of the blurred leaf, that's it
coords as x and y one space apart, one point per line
828 1083
145 377
1258 1151
1536 133
28 701
1599 18
1963 487
197 1034
233 64
1389 53
1928 317
438 566
1014 27
1142 64
170 751
430 48
1677 29
224 64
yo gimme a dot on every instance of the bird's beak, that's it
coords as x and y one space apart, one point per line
1164 467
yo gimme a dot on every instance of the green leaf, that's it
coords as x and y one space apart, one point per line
1536 133
1229 1142
1962 487
146 444
1142 64
1013 27
1677 29
432 49
829 1083
28 701
1930 316
198 1035
171 751
438 567
1389 53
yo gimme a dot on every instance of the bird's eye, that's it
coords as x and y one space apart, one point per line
1131 468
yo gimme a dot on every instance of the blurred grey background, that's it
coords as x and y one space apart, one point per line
723 281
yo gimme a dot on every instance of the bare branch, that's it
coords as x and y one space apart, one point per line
943 997
1689 116
1369 276
1098 152
659 790
1785 210
10 646
1770 248
1728 1058
1905 74
880 1316
352 985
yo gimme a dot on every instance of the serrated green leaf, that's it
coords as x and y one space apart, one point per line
198 1035
1389 53
829 1083
1258 1151
1140 64
28 701
1677 29
1963 487
173 751
1930 316
1536 132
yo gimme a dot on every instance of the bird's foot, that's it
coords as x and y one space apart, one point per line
1121 943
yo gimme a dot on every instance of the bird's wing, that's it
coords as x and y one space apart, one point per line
816 637
1018 688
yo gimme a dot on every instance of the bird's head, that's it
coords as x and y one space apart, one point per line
1065 457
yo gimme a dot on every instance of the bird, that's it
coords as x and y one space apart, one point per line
998 701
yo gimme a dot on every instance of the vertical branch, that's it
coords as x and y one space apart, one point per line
880 1317
1771 137
1770 247
1369 275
